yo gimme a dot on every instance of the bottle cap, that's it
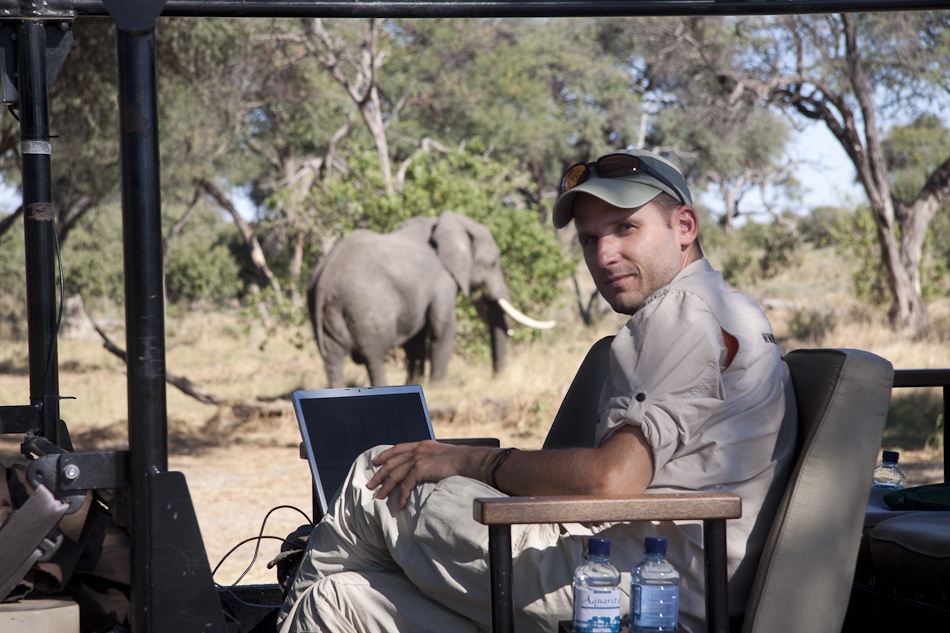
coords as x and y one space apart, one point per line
891 456
655 545
598 546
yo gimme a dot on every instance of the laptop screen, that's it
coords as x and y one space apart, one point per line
339 424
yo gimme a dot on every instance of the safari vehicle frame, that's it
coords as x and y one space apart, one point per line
172 585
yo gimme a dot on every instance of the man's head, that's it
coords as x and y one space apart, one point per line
635 224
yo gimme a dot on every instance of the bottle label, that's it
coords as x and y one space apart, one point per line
655 606
596 610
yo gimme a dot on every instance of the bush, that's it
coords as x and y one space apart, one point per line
778 246
825 226
200 268
738 268
812 325
93 257
760 251
870 277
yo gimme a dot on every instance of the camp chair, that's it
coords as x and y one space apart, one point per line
804 577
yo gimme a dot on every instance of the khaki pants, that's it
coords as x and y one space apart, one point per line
371 568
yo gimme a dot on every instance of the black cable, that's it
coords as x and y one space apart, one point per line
62 302
260 536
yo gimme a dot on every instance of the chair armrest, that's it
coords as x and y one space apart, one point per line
583 509
500 513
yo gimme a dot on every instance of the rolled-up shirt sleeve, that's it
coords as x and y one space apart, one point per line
666 373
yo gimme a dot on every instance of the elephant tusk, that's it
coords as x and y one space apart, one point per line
527 321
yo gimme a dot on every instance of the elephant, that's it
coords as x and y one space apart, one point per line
374 292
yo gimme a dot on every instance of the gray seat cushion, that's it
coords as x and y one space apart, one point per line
911 554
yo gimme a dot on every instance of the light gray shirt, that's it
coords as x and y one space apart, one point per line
712 424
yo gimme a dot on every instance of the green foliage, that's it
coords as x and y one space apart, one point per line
812 325
738 268
760 251
92 258
779 246
870 278
913 152
515 84
711 234
935 270
12 285
915 419
825 227
200 266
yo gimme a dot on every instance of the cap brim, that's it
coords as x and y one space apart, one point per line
620 192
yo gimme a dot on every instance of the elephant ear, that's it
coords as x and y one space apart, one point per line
453 243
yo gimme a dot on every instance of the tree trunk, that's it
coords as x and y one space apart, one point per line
908 310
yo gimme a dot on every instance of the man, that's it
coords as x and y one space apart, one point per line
695 401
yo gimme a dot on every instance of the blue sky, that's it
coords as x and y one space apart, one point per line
825 171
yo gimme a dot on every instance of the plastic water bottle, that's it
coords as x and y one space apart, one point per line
654 590
888 474
597 591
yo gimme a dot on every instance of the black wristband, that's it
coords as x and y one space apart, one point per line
498 462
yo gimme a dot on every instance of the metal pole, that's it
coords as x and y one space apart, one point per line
717 597
144 304
498 8
39 230
499 561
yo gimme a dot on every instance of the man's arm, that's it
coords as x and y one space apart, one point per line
622 465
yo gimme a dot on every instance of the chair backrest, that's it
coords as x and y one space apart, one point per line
576 419
804 577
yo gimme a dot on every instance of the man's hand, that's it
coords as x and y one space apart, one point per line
404 466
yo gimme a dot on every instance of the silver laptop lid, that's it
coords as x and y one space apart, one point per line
338 424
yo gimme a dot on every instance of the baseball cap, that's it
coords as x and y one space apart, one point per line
623 184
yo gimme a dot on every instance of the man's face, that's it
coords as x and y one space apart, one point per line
631 253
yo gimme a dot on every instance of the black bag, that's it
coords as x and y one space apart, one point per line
929 497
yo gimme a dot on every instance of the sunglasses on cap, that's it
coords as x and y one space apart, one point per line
614 166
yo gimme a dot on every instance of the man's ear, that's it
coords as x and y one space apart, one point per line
686 223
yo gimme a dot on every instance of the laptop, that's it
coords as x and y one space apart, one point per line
339 424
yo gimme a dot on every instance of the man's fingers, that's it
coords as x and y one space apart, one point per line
391 475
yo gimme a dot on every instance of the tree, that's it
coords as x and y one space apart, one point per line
912 152
720 137
513 85
851 72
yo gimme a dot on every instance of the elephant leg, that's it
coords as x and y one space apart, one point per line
443 341
415 349
377 370
333 357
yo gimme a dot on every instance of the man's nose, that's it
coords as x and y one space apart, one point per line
607 249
